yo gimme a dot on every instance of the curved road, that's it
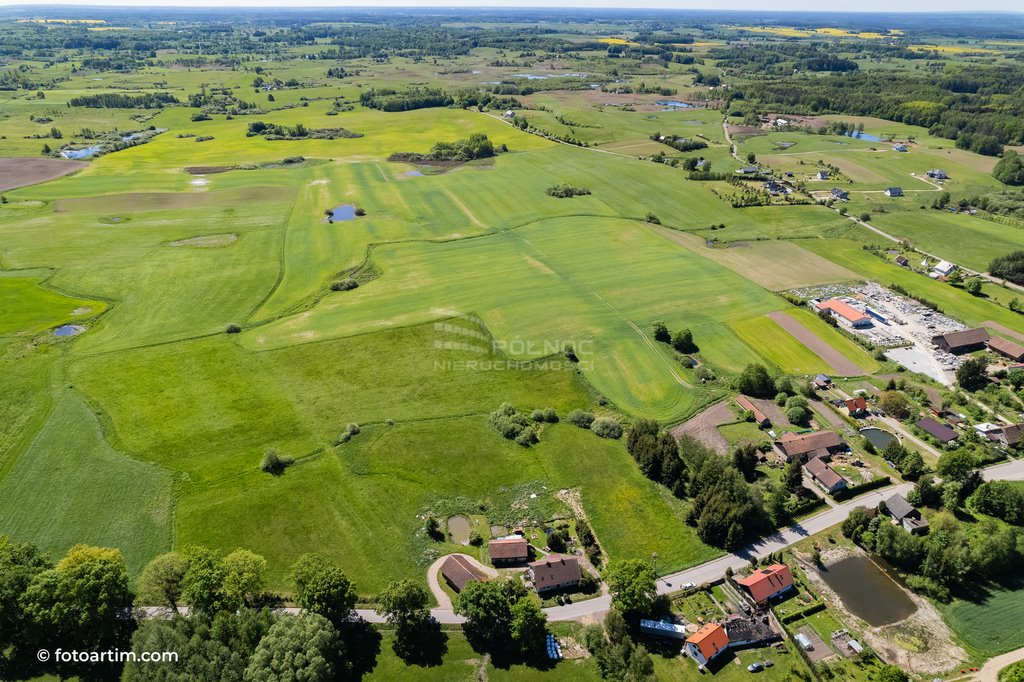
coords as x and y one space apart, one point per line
708 571
712 570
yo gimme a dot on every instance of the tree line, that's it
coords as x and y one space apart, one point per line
117 100
82 603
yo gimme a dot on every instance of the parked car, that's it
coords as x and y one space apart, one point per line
755 667
689 586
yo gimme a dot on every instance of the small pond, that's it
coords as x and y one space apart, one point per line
867 137
344 212
878 437
81 153
412 174
673 104
867 591
458 528
68 330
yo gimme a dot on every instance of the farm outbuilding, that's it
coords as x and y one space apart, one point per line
964 341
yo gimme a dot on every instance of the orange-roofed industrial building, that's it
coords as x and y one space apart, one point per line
706 643
765 583
845 312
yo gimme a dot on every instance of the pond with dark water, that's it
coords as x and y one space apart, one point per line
868 591
877 437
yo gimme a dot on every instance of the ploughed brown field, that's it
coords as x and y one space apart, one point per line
22 171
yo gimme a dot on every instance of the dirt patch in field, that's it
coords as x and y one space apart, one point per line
538 264
21 171
837 361
1005 331
775 265
826 416
704 427
162 201
745 131
772 411
208 170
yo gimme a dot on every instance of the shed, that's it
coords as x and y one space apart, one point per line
1006 348
459 572
963 341
894 192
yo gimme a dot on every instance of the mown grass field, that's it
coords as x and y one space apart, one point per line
603 299
147 430
990 627
26 307
70 487
780 347
963 239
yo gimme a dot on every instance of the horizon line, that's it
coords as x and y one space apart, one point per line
197 4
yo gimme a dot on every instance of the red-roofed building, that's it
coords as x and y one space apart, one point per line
766 583
845 312
703 645
857 406
746 404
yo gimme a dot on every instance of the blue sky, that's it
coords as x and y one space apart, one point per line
755 5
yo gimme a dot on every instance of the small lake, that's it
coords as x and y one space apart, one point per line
458 528
867 591
68 330
673 104
344 212
81 153
878 437
867 137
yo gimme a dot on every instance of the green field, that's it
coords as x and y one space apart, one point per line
962 239
991 627
780 347
26 307
145 432
69 487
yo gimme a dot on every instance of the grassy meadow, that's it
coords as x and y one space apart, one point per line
146 431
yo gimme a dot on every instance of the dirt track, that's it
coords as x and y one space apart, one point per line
704 427
23 171
837 361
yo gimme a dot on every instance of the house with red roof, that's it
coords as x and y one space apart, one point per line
766 583
857 407
703 645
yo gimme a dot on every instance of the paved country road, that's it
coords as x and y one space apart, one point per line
711 570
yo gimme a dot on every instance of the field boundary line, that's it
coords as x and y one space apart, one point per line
282 259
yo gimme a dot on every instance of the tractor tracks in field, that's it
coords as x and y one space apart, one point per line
610 306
